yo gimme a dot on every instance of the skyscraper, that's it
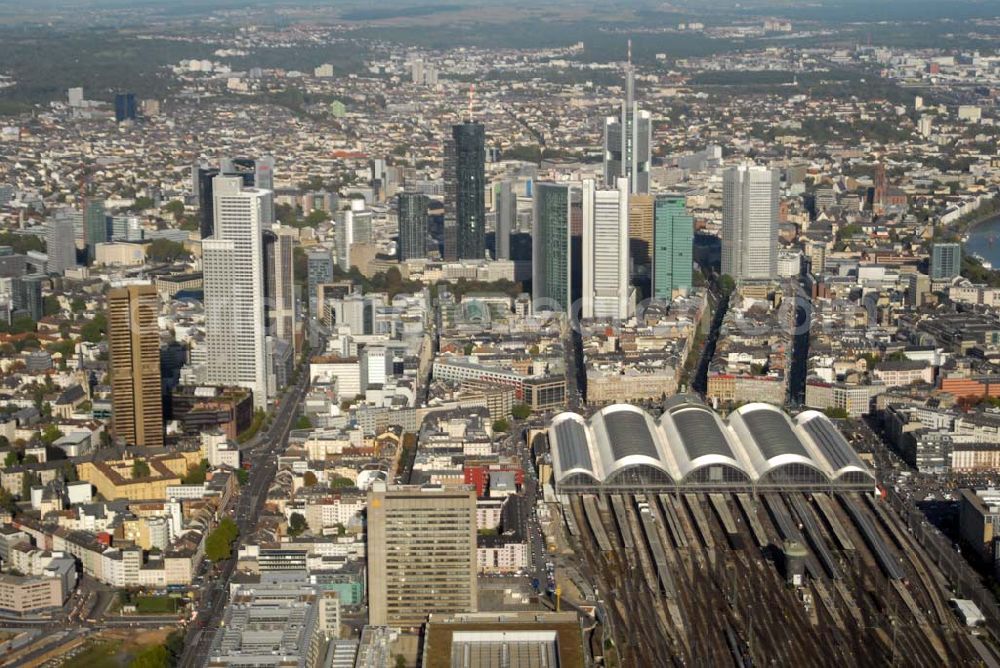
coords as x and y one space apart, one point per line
95 225
234 284
673 246
206 200
946 261
125 107
319 264
606 291
750 222
283 313
550 252
421 553
627 140
60 244
465 192
412 217
640 230
506 215
134 351
354 226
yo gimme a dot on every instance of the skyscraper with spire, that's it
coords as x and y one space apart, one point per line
627 139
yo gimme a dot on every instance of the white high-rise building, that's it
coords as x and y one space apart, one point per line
606 291
750 222
60 242
235 318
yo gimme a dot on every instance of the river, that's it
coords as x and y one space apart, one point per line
984 241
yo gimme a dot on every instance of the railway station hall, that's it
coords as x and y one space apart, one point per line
622 448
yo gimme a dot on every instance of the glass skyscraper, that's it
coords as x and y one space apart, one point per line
946 261
95 225
673 238
412 216
465 192
550 275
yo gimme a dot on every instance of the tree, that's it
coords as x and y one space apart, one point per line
165 250
175 208
836 413
7 501
218 545
77 305
69 472
51 434
341 483
154 656
316 216
726 284
521 411
501 426
309 479
242 476
30 459
10 459
140 469
50 305
400 661
303 423
197 474
297 524
93 331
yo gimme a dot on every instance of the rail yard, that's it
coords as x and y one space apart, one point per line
702 579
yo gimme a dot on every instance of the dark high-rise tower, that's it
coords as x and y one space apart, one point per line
412 215
206 201
125 107
465 194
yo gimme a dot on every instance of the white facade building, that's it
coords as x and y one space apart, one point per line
232 259
750 222
605 252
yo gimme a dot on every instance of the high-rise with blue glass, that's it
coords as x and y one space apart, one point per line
673 238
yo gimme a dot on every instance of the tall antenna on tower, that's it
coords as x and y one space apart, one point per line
472 97
630 53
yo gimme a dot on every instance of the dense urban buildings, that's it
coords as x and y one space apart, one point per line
315 353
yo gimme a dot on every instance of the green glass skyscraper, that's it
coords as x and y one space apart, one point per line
412 216
95 226
550 271
673 239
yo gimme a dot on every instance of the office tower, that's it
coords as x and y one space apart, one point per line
421 553
75 97
206 200
134 351
412 217
354 226
263 175
550 248
640 230
319 266
95 225
880 193
627 140
284 284
125 107
605 252
750 222
60 244
27 294
946 261
465 194
673 246
234 284
817 257
506 210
